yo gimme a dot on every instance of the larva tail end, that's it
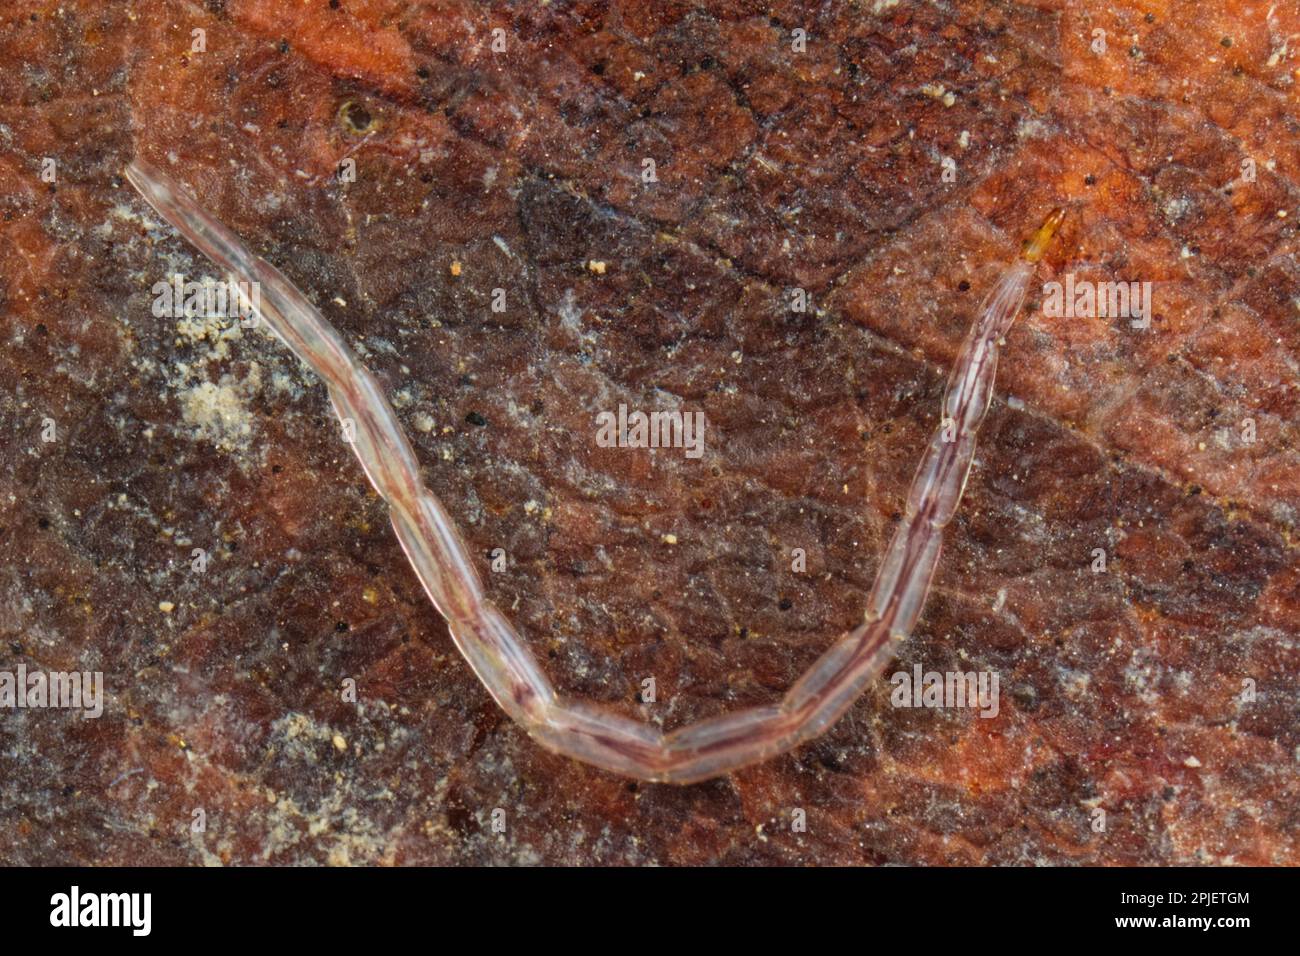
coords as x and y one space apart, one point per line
1037 245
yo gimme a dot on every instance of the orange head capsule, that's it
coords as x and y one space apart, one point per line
1036 246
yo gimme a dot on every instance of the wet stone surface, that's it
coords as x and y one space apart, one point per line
777 169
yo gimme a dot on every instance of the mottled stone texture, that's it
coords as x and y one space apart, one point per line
819 169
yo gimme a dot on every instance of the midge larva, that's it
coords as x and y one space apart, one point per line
490 643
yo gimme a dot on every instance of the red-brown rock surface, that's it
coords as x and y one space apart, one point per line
821 169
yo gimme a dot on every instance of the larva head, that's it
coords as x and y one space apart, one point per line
1037 245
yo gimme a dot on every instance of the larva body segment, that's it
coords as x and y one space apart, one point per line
488 641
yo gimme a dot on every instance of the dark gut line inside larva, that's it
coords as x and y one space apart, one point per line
490 643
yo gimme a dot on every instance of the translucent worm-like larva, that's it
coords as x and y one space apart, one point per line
487 640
